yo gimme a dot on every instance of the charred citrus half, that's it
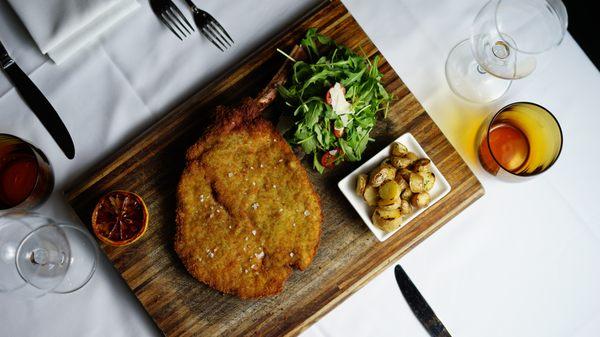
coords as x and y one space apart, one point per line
120 218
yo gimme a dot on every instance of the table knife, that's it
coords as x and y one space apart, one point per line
38 103
419 306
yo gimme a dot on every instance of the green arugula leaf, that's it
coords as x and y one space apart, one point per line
317 164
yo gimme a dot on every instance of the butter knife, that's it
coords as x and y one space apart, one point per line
419 306
38 103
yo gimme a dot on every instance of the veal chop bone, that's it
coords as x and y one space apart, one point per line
246 212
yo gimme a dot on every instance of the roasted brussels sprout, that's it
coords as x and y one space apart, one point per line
399 150
405 207
371 196
421 165
389 203
386 224
416 183
412 156
400 162
406 194
381 174
388 213
400 181
405 174
428 180
361 184
420 200
389 190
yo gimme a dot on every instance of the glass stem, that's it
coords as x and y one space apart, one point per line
43 257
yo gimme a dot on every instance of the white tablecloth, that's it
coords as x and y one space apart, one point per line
522 261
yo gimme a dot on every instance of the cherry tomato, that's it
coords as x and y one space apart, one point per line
330 157
338 133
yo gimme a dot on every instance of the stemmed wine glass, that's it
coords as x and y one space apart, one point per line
39 255
506 36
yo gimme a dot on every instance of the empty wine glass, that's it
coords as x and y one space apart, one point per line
39 255
506 36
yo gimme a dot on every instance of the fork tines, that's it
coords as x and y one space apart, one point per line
173 18
214 32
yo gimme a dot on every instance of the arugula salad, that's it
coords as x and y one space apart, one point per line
336 96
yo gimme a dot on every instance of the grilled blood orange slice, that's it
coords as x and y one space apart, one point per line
120 218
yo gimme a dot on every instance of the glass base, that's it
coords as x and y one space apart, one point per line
84 259
469 80
58 258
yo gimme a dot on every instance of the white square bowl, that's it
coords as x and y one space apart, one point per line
348 186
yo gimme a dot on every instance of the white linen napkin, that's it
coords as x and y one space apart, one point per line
61 27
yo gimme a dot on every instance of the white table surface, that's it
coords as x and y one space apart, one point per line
522 261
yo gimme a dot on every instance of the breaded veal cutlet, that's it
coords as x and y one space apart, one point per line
246 210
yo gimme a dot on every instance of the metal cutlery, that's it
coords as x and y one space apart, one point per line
171 16
419 306
36 101
210 28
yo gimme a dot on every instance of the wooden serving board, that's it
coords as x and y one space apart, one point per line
348 256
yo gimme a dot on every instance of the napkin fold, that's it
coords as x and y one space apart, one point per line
62 27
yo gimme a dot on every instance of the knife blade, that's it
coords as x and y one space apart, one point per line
38 103
419 306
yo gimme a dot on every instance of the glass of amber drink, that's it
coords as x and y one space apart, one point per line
521 140
26 178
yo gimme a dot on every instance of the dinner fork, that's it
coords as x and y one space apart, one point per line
171 16
210 28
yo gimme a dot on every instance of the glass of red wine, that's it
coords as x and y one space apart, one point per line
26 178
520 141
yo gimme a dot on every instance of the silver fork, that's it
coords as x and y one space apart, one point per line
210 28
171 16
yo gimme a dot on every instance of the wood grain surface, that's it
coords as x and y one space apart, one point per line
349 255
